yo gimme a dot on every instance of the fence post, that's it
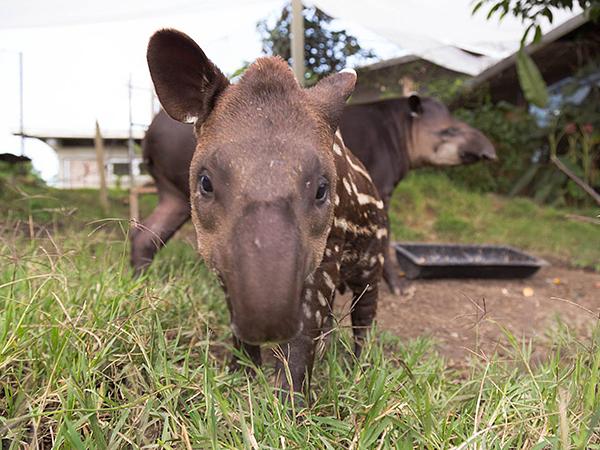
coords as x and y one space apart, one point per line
99 145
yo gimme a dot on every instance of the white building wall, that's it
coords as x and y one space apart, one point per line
78 168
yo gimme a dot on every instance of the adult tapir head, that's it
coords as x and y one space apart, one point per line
262 177
436 138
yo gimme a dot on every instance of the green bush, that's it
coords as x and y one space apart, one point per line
516 137
22 174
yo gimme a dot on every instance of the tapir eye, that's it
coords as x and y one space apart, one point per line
205 185
450 132
322 191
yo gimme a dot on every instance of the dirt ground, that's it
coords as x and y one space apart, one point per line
466 317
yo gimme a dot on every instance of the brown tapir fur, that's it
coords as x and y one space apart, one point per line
284 213
389 137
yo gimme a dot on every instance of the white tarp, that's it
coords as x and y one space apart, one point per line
437 30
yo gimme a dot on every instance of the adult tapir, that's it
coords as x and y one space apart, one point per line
284 214
389 137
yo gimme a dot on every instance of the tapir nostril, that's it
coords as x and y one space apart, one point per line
489 156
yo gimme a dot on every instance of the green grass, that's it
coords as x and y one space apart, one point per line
91 358
428 206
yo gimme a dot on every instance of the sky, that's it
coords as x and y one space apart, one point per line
77 71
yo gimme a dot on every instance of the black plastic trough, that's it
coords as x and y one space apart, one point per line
465 261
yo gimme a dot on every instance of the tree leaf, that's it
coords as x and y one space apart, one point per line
538 34
478 5
493 9
531 81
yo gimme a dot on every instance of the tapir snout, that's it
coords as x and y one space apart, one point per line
477 147
265 286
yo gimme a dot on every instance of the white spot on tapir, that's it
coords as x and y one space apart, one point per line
365 199
322 299
358 168
347 186
318 318
307 311
381 233
337 200
337 149
380 258
345 225
328 281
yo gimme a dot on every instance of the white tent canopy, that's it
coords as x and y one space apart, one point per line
440 30
436 30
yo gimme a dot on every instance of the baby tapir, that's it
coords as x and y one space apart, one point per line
389 137
284 213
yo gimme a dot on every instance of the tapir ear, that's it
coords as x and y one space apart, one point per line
330 94
186 81
414 103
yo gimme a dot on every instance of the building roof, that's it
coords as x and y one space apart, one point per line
65 134
552 36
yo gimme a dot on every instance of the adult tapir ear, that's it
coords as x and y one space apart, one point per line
186 81
330 94
415 106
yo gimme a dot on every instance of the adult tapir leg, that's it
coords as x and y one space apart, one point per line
390 274
172 211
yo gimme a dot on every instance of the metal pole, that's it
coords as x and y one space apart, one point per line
133 205
298 40
21 128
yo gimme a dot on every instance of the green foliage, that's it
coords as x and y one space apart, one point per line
326 49
516 137
21 201
20 173
531 81
532 12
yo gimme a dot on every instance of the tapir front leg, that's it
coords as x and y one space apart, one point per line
299 353
363 312
253 352
294 364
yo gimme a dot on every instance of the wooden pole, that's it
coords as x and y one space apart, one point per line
298 41
99 145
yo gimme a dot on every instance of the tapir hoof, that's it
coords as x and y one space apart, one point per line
235 366
396 285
